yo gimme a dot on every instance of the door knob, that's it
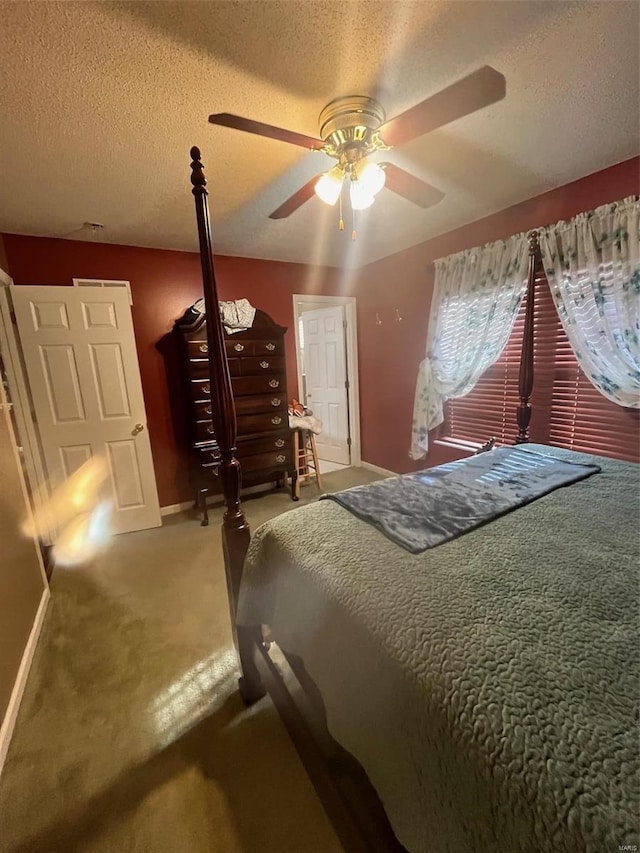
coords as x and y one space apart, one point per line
137 428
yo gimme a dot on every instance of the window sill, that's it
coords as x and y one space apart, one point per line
457 444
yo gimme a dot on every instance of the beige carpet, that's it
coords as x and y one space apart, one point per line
131 735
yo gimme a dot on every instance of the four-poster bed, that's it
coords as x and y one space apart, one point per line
444 674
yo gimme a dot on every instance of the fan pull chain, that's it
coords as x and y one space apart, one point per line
341 220
354 233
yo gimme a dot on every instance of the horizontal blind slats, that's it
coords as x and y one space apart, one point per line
568 411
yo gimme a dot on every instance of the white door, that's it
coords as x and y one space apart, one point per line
325 367
82 366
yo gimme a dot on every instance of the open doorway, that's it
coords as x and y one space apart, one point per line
326 354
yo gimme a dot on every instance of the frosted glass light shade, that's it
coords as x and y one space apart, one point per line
360 198
329 185
372 178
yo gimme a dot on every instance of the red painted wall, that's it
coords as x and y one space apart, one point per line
164 283
390 354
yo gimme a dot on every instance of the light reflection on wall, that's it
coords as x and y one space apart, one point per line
194 695
79 514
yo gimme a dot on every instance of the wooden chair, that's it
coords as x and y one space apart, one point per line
305 459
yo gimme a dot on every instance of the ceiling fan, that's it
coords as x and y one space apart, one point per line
354 127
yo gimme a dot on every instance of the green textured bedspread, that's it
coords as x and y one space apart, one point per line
489 686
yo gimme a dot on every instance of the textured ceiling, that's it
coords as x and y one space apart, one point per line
100 103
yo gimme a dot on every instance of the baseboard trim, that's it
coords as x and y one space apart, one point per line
384 471
216 499
9 722
172 509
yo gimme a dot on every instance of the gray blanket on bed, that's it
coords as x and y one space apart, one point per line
489 686
419 511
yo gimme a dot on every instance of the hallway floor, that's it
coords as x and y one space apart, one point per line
327 467
131 736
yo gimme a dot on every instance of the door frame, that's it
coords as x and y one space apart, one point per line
351 337
31 452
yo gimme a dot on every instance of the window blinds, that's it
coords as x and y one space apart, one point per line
568 411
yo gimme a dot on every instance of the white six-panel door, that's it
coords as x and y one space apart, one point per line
82 366
325 367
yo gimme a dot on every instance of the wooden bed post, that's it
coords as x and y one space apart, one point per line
525 378
235 530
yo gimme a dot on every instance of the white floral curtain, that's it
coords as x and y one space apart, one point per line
476 299
593 267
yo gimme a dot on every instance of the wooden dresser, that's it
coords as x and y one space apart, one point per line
259 380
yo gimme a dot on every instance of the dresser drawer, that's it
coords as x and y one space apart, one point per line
203 409
244 348
200 389
234 349
198 349
259 423
204 430
244 385
268 347
282 459
199 367
262 403
208 457
253 405
264 364
280 442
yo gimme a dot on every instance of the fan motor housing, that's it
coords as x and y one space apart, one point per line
350 122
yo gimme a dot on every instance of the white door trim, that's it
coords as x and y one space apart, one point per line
11 715
349 303
22 404
8 723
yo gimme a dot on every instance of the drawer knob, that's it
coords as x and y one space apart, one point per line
264 364
210 429
238 347
280 458
207 411
274 383
204 348
206 389
275 401
276 420
270 347
280 442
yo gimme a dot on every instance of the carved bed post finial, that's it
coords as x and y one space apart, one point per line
197 169
235 530
525 378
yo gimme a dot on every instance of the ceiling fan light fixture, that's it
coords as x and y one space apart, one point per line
371 178
329 185
361 199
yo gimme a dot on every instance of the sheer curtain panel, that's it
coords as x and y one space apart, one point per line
476 299
593 267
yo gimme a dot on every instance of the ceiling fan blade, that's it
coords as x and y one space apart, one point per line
485 86
410 187
261 129
295 201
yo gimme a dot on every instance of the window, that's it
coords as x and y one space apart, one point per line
568 411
